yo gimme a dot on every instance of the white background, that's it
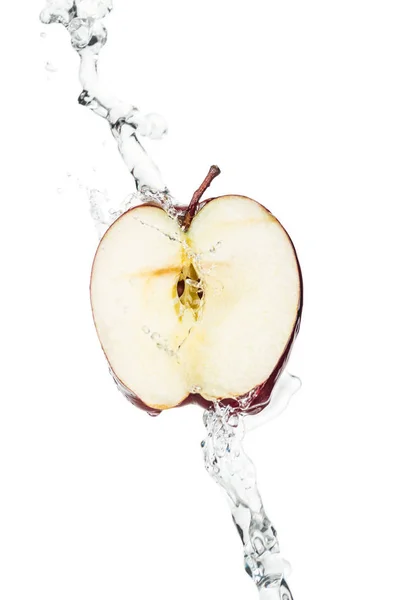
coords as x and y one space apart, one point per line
299 104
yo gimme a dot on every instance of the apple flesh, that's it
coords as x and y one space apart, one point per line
202 313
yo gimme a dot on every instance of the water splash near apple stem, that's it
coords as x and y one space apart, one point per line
229 465
83 19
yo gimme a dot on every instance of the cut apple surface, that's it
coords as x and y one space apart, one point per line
207 313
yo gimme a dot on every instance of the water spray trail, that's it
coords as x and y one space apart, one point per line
83 19
224 456
228 464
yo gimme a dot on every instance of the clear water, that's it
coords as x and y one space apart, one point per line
83 20
104 210
229 465
225 458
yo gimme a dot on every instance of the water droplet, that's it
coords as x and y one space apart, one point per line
145 329
214 248
155 336
43 35
195 389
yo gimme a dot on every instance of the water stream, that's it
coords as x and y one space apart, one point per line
228 464
225 458
83 20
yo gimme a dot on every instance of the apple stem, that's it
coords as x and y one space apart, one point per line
197 196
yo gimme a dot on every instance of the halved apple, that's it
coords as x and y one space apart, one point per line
201 313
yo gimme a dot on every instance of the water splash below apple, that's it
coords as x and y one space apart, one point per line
229 465
224 456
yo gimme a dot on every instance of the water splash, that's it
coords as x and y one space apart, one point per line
83 20
229 465
224 455
104 210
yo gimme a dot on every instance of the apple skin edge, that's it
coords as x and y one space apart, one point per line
259 397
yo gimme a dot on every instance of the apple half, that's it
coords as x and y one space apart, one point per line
199 309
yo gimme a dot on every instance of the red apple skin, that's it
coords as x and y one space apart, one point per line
260 396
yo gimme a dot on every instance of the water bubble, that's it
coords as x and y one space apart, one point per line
155 336
145 329
43 35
